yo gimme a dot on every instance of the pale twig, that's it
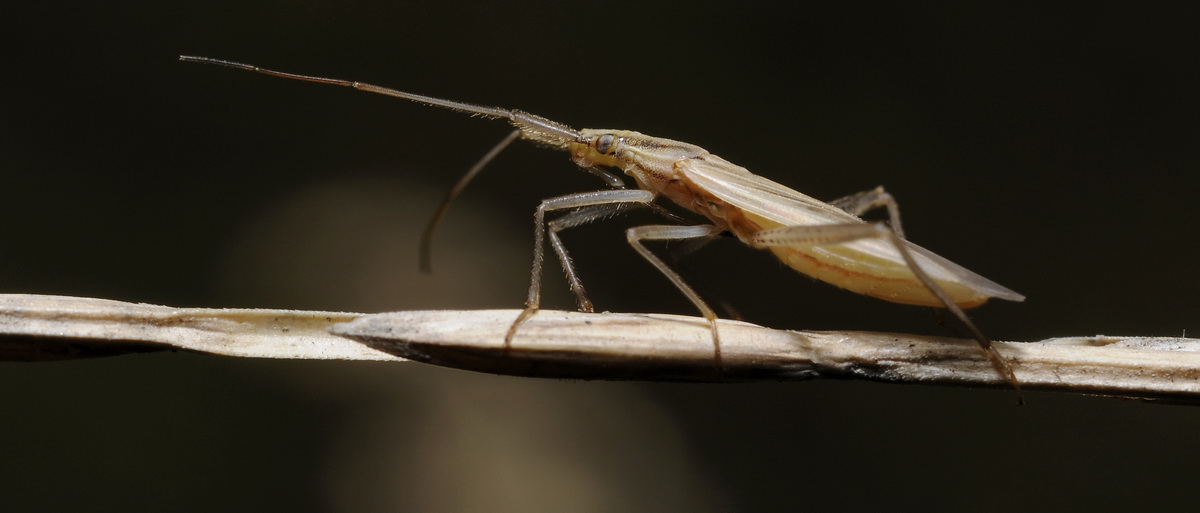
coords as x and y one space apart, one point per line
598 346
35 328
677 348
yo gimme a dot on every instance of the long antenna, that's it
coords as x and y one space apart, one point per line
490 112
532 126
528 125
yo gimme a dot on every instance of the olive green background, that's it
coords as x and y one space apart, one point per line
1052 149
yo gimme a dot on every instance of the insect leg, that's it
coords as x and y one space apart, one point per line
675 256
862 202
637 234
843 233
608 202
611 179
580 217
587 215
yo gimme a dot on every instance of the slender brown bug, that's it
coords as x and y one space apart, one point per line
828 241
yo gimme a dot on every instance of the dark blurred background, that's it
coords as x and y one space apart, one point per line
1052 149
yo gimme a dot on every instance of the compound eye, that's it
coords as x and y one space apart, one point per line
604 143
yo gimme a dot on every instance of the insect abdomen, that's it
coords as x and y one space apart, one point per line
863 274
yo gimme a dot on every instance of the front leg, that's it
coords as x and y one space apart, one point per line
593 206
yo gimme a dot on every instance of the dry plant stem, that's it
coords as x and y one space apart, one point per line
595 346
677 348
39 328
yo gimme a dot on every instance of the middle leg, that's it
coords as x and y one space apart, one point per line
637 234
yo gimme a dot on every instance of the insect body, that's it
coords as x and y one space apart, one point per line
821 240
828 241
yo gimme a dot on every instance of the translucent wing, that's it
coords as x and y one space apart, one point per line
779 204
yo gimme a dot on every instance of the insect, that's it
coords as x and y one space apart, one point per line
827 241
